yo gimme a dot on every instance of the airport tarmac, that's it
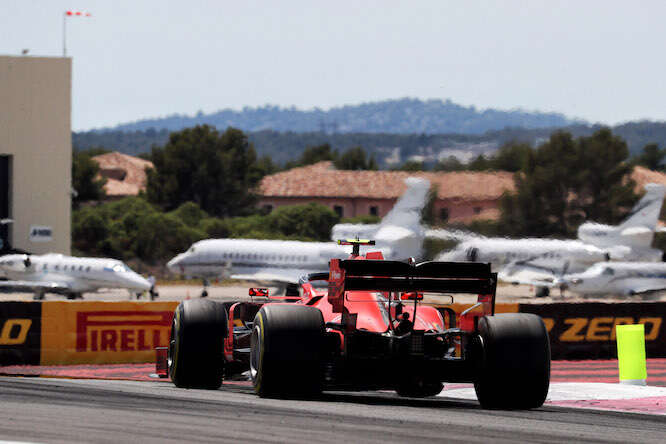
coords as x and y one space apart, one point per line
239 290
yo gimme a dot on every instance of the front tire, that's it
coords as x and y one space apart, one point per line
514 361
195 356
286 351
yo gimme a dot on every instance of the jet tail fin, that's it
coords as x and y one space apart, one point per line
401 228
646 212
407 210
406 213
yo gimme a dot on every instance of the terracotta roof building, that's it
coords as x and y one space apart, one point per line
642 176
460 196
125 175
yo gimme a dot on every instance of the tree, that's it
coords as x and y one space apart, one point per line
605 191
565 181
480 163
651 157
411 165
318 153
161 235
312 155
89 228
264 167
190 214
84 178
313 221
511 157
451 163
355 159
218 172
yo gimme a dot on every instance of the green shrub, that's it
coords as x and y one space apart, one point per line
190 213
89 228
215 228
313 221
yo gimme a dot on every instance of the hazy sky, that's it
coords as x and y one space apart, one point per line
603 61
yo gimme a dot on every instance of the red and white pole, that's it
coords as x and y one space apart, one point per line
64 26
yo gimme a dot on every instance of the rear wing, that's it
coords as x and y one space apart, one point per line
439 277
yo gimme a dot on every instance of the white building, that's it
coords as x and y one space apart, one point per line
36 153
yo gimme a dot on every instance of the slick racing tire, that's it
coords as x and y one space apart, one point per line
513 357
286 351
195 357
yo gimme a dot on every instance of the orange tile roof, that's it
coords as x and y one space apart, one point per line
135 174
323 180
642 176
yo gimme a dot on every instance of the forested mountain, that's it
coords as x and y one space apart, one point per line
401 116
285 146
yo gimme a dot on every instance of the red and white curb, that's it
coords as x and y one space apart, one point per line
589 395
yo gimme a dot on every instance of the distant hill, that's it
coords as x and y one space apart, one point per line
400 116
284 146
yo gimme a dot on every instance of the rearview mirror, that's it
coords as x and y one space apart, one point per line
258 292
412 296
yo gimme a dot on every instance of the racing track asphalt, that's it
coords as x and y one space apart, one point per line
61 410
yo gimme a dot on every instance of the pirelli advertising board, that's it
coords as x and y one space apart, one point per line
20 333
587 330
86 332
104 332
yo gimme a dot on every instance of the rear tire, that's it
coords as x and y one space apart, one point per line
542 292
514 361
195 356
286 351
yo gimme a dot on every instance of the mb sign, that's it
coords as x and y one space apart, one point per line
39 233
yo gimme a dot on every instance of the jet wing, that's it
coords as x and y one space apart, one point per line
528 276
646 288
32 286
529 273
278 275
452 235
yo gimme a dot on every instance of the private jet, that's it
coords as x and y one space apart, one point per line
66 275
616 278
539 261
638 229
399 236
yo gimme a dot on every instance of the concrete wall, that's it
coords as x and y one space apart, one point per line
465 211
351 206
35 129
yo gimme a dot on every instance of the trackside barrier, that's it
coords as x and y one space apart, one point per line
66 332
20 333
104 332
587 330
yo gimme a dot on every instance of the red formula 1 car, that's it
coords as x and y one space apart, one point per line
367 328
